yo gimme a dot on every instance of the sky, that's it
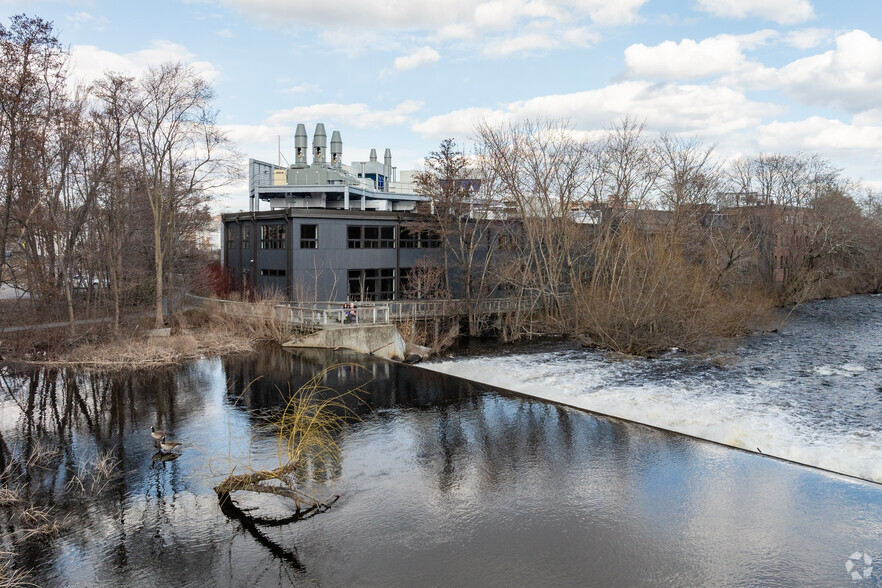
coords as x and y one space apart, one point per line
746 76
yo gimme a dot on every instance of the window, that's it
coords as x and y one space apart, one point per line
505 242
353 237
272 237
246 237
370 237
276 273
372 284
231 238
419 240
387 237
308 236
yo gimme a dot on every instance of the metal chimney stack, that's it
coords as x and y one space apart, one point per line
319 144
336 150
300 146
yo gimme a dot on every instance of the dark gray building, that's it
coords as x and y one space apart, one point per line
331 232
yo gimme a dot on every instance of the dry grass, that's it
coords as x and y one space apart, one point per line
9 497
138 351
14 578
94 474
262 319
196 333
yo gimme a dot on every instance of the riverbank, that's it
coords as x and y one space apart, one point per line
193 335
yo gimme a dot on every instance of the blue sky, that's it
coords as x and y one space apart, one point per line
744 75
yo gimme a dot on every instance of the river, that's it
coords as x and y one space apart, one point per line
810 393
444 481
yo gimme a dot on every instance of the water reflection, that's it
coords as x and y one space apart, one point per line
442 482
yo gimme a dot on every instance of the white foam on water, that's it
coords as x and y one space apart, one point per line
700 407
848 369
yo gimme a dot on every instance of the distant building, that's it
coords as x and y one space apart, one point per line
331 231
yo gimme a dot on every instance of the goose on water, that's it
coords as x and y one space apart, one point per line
168 445
158 434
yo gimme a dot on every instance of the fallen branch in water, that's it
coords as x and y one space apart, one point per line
307 430
253 483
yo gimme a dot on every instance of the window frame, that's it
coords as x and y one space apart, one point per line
273 236
309 242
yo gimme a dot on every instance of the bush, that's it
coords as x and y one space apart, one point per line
644 297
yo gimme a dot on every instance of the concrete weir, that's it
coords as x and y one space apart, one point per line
380 340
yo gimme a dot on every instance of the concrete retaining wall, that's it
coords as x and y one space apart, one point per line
380 340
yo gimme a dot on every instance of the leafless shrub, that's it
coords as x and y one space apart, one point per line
645 297
437 335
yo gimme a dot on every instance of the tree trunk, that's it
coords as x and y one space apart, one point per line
157 258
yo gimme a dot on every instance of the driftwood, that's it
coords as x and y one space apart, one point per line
253 483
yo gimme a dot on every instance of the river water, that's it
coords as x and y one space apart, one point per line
443 481
811 393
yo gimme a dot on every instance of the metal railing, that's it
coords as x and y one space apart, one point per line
334 314
318 314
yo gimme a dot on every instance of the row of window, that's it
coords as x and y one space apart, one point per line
370 237
363 284
357 237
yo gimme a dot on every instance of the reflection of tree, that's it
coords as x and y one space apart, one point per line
66 421
251 524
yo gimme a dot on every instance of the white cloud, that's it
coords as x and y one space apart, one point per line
89 63
419 57
226 34
519 44
244 135
684 60
783 12
579 37
848 77
612 12
819 134
694 109
868 117
452 19
299 89
84 18
354 115
807 38
688 59
496 28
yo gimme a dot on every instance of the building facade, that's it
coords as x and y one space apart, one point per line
331 232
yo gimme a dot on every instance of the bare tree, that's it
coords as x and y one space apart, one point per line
32 73
180 153
458 210
542 175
